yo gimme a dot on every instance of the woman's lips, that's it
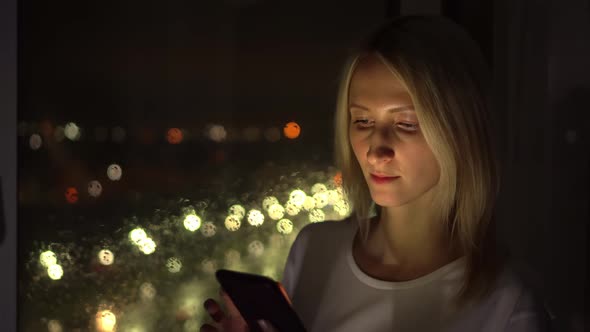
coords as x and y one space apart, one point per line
383 179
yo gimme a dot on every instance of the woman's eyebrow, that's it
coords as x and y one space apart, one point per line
391 110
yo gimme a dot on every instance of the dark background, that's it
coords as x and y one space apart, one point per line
263 63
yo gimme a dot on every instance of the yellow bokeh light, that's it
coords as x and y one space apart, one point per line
285 226
147 246
137 235
232 223
106 257
237 210
309 203
334 197
318 188
106 321
48 258
342 208
276 211
72 131
321 199
297 197
192 222
174 265
54 326
292 209
317 215
255 218
268 201
55 272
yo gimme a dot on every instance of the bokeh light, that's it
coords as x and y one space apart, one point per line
255 218
55 271
338 179
317 215
71 195
292 130
292 209
114 172
318 188
174 265
321 199
35 142
192 222
208 229
174 136
54 326
237 210
106 257
137 235
106 321
217 133
48 258
232 223
276 211
268 201
94 188
147 246
72 131
309 203
285 226
297 197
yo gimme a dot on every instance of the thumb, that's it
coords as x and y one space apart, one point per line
266 326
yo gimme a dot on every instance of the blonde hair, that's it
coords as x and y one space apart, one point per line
446 76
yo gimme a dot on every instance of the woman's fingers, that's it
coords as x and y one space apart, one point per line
232 310
214 310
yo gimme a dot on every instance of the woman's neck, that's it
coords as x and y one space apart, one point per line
404 245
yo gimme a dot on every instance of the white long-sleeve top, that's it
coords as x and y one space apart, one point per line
331 293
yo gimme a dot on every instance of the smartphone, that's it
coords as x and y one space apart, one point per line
258 297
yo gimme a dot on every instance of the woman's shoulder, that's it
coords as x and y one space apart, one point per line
333 228
512 305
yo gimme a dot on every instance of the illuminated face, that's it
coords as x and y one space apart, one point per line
386 137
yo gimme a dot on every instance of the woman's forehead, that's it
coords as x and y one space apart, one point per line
373 79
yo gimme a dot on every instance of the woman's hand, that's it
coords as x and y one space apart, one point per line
232 321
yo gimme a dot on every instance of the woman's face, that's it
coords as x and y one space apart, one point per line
386 138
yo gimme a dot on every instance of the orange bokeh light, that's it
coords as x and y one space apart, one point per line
71 195
292 130
338 179
174 136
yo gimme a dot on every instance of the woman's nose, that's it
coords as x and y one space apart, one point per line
379 155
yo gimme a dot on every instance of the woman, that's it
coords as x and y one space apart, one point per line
413 141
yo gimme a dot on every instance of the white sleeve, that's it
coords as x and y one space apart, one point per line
295 261
529 315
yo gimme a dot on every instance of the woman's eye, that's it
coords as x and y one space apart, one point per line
409 126
362 122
